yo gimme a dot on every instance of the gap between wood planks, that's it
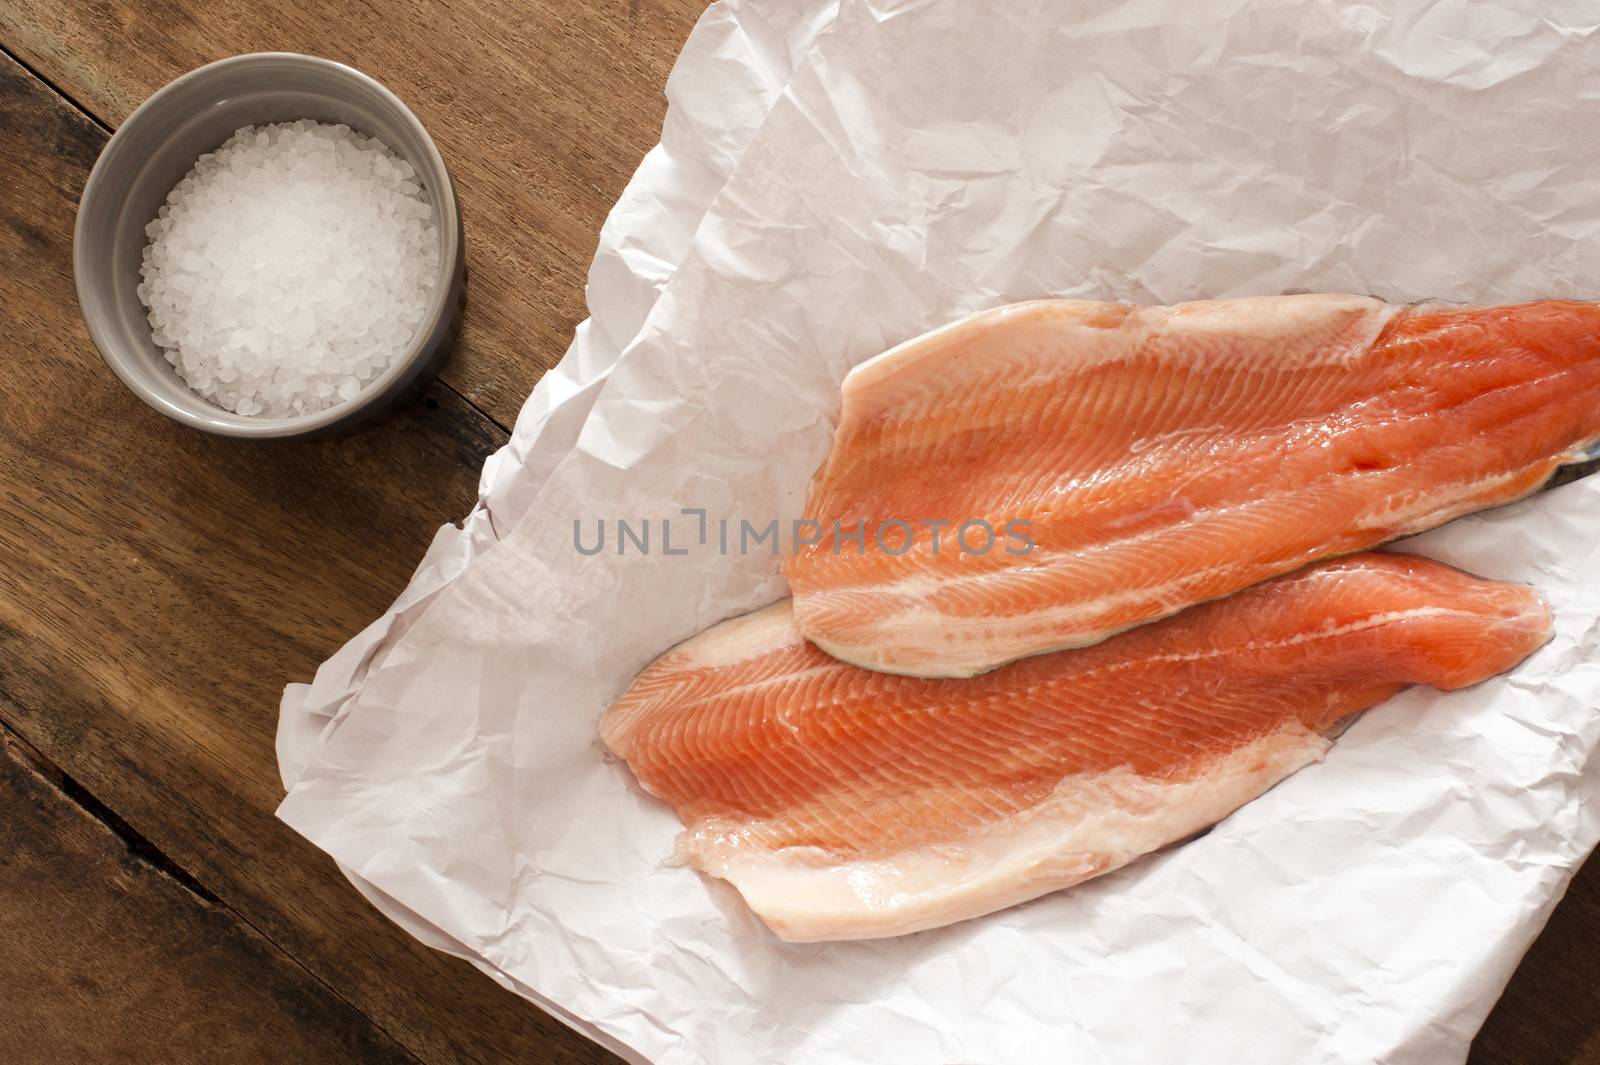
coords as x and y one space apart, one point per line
18 755
139 846
147 853
77 106
1556 987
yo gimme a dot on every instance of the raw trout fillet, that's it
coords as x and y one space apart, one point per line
1159 457
844 803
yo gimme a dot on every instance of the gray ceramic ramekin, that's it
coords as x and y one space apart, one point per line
158 145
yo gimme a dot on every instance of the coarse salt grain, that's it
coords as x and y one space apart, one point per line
289 268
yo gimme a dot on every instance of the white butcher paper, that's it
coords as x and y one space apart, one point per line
835 180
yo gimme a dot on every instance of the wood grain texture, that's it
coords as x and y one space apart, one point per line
542 110
158 587
1550 1012
108 959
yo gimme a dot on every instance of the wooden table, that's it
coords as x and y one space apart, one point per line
158 587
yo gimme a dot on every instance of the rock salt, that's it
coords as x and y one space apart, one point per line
289 268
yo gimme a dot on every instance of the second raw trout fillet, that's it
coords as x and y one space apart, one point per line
1044 475
848 804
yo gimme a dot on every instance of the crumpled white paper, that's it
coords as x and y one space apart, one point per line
832 182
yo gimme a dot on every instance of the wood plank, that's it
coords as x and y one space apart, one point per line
109 959
1550 1012
541 108
159 586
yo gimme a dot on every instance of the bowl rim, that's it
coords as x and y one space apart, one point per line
378 390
